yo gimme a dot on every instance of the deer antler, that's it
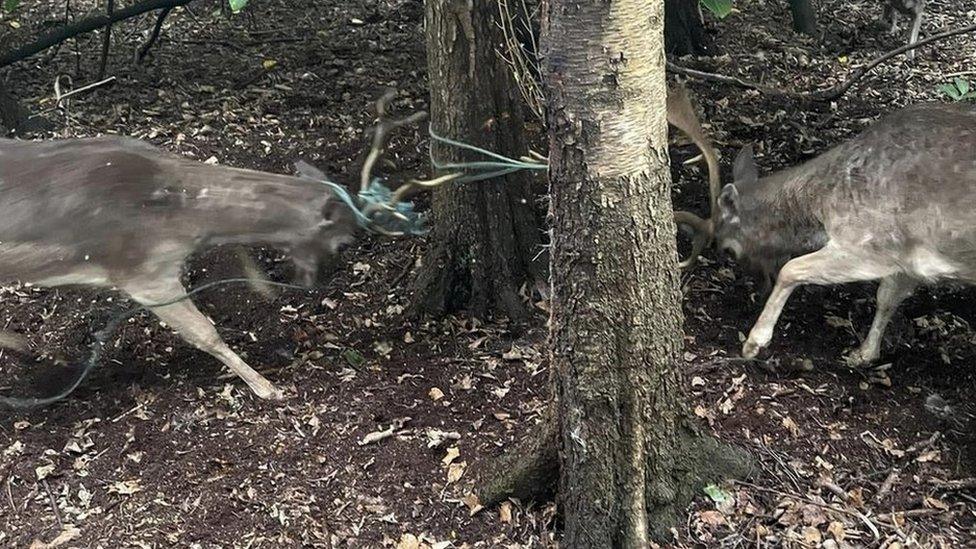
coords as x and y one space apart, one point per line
681 114
384 127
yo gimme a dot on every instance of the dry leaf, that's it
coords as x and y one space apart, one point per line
712 518
44 471
935 503
473 503
931 455
452 454
69 533
408 541
812 536
505 512
125 487
697 382
435 394
791 426
376 436
836 529
454 471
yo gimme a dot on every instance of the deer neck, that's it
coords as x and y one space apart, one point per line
240 206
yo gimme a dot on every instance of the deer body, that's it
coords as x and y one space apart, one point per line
118 212
897 203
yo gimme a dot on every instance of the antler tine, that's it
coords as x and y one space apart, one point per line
703 230
681 114
384 127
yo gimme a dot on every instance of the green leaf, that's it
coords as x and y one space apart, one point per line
10 5
720 8
237 5
962 86
717 494
950 90
352 357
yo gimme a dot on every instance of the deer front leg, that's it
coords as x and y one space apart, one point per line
197 330
916 27
891 292
829 265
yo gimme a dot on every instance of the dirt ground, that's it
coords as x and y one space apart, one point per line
159 447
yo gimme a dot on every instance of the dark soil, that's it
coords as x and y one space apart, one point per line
160 447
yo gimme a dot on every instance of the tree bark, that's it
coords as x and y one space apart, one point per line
616 324
804 16
485 235
684 29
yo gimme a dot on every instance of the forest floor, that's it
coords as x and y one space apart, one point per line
159 447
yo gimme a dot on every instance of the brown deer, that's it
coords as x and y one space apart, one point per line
897 203
118 212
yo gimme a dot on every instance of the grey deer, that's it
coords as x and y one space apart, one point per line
119 212
897 203
912 8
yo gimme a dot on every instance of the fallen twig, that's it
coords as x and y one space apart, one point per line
824 95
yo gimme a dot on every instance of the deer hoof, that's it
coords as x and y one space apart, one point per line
267 391
750 349
859 358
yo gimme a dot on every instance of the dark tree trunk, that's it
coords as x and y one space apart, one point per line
684 30
630 459
485 235
14 119
804 16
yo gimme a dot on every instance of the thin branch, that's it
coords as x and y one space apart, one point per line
144 50
828 94
106 40
85 26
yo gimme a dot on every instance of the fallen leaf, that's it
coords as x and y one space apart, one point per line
408 541
44 471
454 472
712 518
836 529
931 455
435 394
69 533
811 535
935 503
697 382
125 487
473 503
505 512
791 426
452 454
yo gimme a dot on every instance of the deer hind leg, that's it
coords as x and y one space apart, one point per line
197 330
829 265
891 292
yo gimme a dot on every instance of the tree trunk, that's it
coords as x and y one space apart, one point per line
616 323
804 16
684 30
486 236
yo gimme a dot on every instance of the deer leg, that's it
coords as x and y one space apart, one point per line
197 330
916 27
891 292
829 265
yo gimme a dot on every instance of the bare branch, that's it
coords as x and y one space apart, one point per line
144 50
828 94
85 26
381 133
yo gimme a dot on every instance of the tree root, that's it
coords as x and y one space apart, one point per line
678 472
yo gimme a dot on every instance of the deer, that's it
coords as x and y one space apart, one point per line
911 8
896 204
118 212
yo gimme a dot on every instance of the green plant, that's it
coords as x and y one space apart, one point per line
958 89
8 6
719 8
237 5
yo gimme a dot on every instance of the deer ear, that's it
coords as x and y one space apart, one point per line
728 203
744 169
304 169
